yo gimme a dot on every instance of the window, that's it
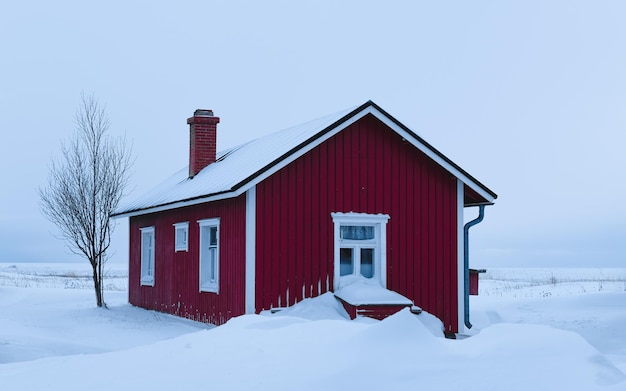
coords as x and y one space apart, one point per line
360 247
180 236
209 255
147 256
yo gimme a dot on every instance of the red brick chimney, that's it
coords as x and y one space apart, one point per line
202 140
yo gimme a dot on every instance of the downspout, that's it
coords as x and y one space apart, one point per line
481 215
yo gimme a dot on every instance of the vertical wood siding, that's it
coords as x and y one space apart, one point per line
176 288
365 168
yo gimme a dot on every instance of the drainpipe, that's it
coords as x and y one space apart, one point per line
481 215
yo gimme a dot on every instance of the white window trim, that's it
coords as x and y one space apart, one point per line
379 222
209 286
147 279
184 246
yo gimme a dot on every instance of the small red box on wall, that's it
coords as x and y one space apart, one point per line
473 280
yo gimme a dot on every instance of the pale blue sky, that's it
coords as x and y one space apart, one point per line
528 96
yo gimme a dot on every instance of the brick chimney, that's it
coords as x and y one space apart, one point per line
202 140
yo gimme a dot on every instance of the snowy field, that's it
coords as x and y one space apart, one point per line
538 329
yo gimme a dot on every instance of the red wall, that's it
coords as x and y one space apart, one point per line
365 168
176 287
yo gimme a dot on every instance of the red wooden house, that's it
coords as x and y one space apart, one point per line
354 203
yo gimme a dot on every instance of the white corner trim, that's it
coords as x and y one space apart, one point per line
250 250
460 254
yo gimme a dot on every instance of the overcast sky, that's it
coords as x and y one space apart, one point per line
527 96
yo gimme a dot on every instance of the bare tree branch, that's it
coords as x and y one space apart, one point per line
86 185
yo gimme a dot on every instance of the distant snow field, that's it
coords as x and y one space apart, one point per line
61 275
539 329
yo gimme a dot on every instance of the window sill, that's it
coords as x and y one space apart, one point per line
209 288
146 282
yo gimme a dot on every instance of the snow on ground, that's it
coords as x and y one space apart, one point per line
590 302
44 314
529 333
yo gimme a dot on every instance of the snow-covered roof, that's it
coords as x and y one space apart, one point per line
239 168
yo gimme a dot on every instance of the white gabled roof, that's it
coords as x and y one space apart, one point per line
241 167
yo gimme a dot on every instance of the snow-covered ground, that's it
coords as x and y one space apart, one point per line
533 329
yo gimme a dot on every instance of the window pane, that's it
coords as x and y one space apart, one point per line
150 258
346 263
204 237
204 271
367 262
147 257
212 263
209 257
357 232
213 240
205 266
181 238
147 253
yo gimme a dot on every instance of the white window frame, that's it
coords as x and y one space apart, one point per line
181 236
204 260
379 243
147 257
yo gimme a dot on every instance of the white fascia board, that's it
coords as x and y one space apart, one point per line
181 204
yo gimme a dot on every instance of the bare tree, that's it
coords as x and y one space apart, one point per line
85 186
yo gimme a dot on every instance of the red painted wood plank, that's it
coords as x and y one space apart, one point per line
264 223
379 173
338 166
281 277
401 208
303 242
318 209
445 248
347 171
432 245
362 166
326 278
306 208
368 173
410 242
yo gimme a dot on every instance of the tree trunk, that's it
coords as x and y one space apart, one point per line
97 283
